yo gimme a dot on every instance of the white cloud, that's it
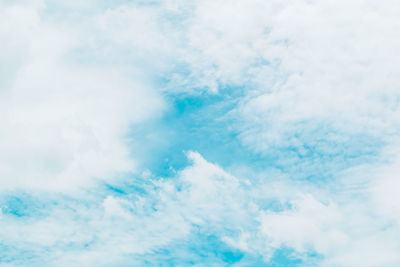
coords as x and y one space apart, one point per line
331 62
63 123
309 226
338 59
315 73
384 187
342 228
132 224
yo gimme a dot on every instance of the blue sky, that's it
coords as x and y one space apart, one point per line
199 133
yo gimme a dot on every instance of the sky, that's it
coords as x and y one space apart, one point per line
199 133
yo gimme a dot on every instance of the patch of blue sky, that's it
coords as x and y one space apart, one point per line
288 257
210 251
198 123
198 249
128 183
314 150
26 204
208 123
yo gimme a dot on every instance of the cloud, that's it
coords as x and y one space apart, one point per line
63 123
311 119
309 226
131 225
202 200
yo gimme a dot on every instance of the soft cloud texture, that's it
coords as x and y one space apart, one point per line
63 123
292 107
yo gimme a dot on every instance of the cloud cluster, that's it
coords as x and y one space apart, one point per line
128 227
203 200
315 93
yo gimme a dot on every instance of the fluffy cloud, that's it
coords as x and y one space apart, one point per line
315 99
62 123
309 226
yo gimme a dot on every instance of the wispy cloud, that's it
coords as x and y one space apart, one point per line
209 133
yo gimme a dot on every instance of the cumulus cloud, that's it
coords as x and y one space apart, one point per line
62 123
